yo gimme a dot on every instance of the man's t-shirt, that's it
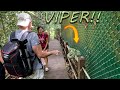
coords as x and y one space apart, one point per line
43 39
32 41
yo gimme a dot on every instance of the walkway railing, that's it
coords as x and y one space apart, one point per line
75 66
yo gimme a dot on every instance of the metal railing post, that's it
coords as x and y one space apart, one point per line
81 63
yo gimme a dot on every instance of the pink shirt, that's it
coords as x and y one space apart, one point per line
43 39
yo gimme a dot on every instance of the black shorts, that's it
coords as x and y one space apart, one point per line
46 47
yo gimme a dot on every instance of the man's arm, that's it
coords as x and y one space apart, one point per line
1 59
41 54
36 47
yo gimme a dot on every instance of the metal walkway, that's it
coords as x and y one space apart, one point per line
56 63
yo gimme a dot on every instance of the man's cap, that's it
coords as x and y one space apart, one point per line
23 19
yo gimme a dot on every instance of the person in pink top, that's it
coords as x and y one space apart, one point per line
43 38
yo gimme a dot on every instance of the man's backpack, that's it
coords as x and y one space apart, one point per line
16 57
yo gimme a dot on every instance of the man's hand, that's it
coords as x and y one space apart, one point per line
55 52
41 54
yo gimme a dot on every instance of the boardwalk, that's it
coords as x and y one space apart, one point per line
56 63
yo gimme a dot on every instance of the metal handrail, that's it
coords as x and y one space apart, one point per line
82 69
86 73
72 69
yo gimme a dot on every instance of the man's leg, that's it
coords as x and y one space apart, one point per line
37 74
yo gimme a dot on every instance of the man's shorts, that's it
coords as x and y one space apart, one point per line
37 74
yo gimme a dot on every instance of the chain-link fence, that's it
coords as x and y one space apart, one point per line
99 43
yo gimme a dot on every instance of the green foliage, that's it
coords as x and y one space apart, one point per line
73 52
8 22
7 25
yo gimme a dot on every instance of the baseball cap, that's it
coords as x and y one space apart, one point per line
23 19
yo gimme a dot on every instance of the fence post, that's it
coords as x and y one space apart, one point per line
66 49
81 63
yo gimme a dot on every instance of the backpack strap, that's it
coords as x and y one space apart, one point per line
23 50
12 36
24 41
24 36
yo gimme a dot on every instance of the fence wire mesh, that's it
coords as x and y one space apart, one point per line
99 44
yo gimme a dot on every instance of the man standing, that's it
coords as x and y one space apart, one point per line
33 45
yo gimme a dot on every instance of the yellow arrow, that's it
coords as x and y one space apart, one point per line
76 38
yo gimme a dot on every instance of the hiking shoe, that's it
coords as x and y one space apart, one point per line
46 69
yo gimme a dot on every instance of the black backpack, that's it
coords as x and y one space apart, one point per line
16 57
